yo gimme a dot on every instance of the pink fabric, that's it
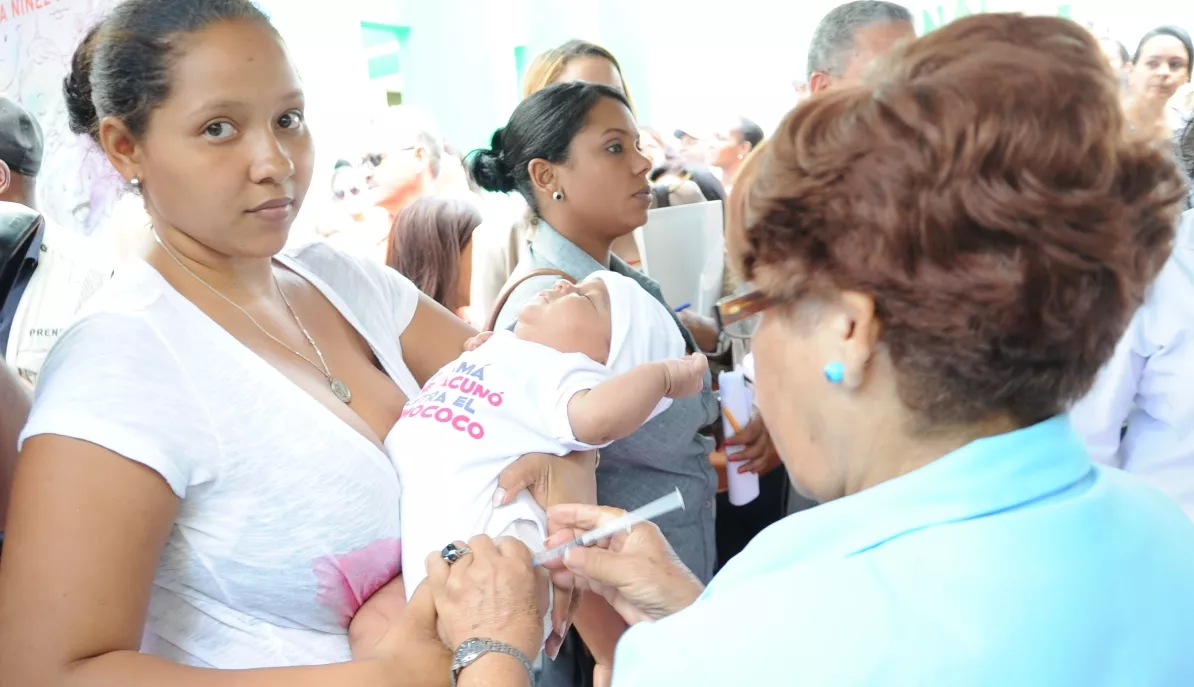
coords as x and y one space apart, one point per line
348 580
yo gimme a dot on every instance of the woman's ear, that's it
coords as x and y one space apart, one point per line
543 176
121 148
851 335
5 177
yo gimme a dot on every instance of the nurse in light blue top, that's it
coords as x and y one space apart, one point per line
942 259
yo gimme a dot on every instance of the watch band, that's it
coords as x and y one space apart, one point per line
472 649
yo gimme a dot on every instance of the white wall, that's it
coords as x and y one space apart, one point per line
77 186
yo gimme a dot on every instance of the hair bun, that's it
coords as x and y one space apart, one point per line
76 87
488 168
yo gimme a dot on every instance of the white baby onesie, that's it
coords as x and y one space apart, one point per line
474 418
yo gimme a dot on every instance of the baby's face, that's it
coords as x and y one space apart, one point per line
569 318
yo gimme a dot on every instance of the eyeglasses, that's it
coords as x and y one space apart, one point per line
374 160
739 315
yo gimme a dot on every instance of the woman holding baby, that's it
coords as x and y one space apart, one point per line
203 496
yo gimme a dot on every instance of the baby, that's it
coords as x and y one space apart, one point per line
586 364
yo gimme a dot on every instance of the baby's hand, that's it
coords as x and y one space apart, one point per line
475 342
686 376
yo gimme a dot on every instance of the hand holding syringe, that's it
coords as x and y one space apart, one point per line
658 507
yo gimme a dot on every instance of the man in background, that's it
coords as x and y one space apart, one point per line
407 159
851 37
844 46
58 274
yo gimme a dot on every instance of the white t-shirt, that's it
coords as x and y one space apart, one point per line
479 414
1146 385
289 518
70 270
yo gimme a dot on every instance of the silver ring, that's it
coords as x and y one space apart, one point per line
453 553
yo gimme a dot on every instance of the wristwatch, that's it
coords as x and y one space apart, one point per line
472 649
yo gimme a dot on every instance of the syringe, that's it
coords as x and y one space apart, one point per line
658 507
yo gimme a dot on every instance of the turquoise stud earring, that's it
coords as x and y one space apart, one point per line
835 372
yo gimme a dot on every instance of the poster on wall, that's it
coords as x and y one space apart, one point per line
77 187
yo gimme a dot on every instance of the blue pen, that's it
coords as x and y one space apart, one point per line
682 307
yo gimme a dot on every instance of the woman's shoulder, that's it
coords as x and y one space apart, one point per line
128 313
331 264
370 289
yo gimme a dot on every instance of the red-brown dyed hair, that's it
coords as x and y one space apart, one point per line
426 241
982 189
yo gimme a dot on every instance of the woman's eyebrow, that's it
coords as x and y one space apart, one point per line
226 104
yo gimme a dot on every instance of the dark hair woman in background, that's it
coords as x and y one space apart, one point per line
571 151
1161 65
500 246
732 145
432 245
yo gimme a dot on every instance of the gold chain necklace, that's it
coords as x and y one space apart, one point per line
339 388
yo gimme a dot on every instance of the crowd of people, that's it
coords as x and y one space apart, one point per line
961 265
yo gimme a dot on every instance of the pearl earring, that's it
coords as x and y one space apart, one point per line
558 196
136 183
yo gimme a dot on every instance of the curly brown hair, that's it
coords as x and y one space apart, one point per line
982 188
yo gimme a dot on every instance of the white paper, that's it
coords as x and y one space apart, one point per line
748 367
737 398
683 248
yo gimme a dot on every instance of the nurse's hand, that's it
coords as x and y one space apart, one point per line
636 571
552 480
492 592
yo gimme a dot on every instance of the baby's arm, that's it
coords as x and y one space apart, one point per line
616 408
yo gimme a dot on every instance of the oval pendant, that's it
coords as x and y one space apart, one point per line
341 390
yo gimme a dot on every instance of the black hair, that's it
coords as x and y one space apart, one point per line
542 127
122 67
1174 32
750 132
